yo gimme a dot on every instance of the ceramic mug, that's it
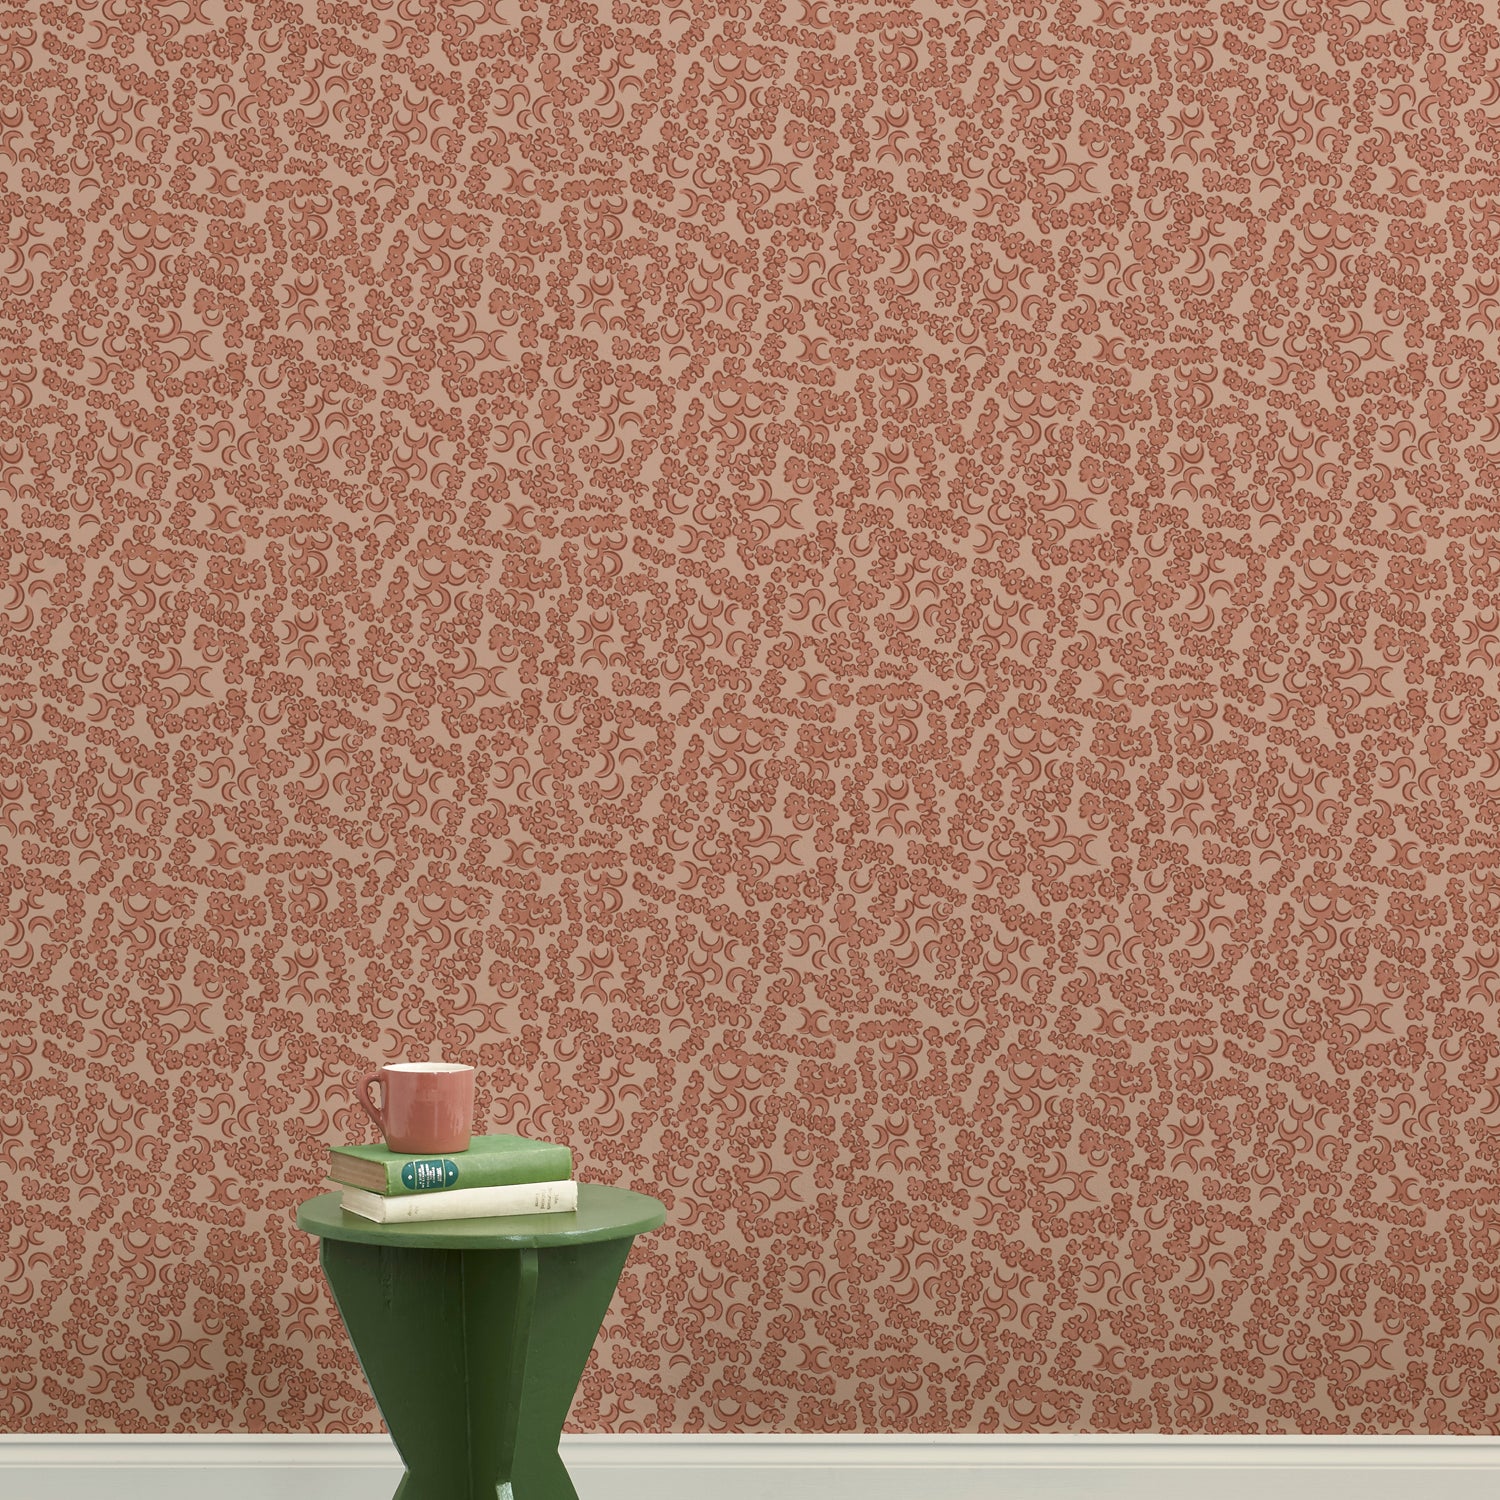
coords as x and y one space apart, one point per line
425 1106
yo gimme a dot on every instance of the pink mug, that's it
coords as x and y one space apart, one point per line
426 1106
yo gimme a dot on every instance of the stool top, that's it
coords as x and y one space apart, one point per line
604 1213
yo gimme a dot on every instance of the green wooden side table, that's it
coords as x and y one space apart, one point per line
473 1333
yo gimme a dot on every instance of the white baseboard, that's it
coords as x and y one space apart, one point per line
839 1466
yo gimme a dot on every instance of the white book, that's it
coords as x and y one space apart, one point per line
465 1203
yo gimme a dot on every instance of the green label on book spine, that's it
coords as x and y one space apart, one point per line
436 1172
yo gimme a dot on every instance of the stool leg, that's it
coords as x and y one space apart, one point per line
574 1286
499 1296
474 1357
404 1310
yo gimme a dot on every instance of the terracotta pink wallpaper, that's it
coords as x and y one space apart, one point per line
887 614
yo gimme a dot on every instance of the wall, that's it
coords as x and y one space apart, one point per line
887 615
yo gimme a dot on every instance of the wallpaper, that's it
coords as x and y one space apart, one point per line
887 615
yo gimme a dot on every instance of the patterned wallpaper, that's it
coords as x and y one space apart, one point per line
888 615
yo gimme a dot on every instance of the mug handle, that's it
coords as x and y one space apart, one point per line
368 1103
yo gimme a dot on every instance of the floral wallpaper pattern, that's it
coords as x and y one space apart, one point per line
887 614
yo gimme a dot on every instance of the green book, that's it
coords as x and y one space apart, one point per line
490 1161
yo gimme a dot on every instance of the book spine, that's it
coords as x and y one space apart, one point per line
452 1173
465 1203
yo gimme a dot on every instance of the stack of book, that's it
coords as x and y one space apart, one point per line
498 1175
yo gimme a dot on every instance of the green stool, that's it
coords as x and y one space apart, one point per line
473 1333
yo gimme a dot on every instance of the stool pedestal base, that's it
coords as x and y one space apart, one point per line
474 1357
